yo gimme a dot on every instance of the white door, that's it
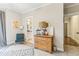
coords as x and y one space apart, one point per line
74 28
77 33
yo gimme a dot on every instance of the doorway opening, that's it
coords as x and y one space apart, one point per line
71 34
71 30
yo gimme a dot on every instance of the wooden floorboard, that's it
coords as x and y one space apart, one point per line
70 41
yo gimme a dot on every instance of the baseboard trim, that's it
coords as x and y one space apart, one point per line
59 49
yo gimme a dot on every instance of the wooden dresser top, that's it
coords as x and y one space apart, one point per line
47 36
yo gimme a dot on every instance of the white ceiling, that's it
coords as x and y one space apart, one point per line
67 5
22 7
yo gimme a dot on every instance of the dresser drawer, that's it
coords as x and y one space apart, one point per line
47 40
36 45
44 43
40 46
44 47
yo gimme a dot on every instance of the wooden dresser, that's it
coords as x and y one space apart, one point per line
44 42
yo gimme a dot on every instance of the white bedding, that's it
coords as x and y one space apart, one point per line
17 50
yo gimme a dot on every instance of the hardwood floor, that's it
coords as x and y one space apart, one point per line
69 51
70 41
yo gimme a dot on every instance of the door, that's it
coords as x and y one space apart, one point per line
77 30
65 29
74 28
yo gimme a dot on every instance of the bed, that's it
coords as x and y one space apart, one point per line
17 50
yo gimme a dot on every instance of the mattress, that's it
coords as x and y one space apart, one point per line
17 50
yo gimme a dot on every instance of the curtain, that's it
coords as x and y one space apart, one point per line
2 30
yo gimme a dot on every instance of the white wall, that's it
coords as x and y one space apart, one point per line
52 13
74 28
10 31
